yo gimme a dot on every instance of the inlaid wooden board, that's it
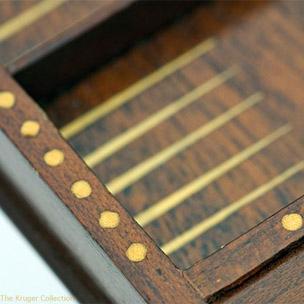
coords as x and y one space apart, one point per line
31 29
242 87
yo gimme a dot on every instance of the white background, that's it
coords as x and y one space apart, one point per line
23 272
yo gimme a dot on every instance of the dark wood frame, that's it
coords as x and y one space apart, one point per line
154 280
57 222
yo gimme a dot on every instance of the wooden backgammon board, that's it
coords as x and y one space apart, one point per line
152 151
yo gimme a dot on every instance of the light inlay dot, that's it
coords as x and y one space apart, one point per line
81 189
54 158
137 252
292 221
7 100
109 219
30 128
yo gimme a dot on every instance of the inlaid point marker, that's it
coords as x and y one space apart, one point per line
137 252
292 221
81 189
54 158
109 219
7 100
30 128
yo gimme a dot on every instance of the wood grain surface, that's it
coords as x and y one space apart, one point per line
197 131
234 174
155 278
250 254
281 282
263 141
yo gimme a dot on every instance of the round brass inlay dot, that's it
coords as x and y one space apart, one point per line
109 219
54 158
7 100
81 189
30 128
292 221
137 252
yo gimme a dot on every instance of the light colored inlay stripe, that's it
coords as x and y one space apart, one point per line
177 197
131 176
27 17
221 215
123 139
145 83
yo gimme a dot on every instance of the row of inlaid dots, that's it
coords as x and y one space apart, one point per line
136 252
109 220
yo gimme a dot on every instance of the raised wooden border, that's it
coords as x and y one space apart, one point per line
155 278
49 59
52 247
246 255
76 29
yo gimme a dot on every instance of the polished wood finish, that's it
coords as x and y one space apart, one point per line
281 282
246 36
250 253
101 28
154 277
247 164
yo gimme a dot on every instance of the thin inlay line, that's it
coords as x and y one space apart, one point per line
177 197
123 139
221 215
27 17
138 87
134 174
